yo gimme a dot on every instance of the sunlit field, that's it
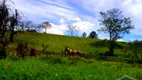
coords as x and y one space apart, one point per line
63 68
59 66
70 40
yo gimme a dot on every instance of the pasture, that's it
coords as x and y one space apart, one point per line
58 66
57 43
53 68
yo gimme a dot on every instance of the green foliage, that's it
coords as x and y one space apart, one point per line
93 35
13 57
84 34
136 48
116 25
54 59
44 49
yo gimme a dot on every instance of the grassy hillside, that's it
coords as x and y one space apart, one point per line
57 43
64 67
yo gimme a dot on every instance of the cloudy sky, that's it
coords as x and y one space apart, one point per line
82 13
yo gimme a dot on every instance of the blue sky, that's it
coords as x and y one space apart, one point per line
82 13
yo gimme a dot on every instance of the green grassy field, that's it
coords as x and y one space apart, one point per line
62 67
51 68
57 43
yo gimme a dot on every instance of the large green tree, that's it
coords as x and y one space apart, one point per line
116 25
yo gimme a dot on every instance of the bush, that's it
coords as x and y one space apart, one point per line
44 48
136 55
32 31
33 52
3 53
13 57
22 49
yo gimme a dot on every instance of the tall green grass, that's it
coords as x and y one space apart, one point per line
50 68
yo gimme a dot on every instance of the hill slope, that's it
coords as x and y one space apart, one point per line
57 43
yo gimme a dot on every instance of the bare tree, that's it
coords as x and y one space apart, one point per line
22 26
14 21
46 25
73 30
28 25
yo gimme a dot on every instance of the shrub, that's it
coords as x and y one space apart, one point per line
44 48
33 52
32 31
136 55
13 57
3 53
22 49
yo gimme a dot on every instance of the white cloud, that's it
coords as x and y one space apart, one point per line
84 26
54 31
62 20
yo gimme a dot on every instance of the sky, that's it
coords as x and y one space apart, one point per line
81 13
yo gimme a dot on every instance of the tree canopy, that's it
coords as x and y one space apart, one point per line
116 25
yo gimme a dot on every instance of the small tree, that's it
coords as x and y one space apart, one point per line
8 21
136 48
93 34
46 25
116 25
22 26
73 30
28 25
14 21
84 34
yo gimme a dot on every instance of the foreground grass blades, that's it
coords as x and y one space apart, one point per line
45 68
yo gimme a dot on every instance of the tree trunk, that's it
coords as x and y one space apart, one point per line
111 46
11 36
111 49
11 32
